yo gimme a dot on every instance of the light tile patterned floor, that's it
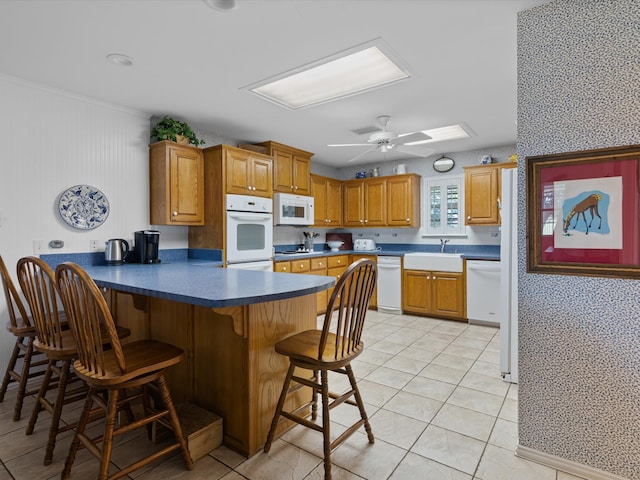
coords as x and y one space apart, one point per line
438 409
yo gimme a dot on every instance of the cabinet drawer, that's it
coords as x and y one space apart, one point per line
318 263
282 267
338 261
300 266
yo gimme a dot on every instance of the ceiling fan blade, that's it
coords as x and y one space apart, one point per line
362 154
414 137
415 150
349 145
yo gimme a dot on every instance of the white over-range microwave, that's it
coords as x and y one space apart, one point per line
289 209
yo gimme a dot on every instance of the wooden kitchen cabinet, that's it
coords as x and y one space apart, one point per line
482 190
311 266
291 168
228 170
439 294
327 201
248 173
365 202
176 184
336 266
403 201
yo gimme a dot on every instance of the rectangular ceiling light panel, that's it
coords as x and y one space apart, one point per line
357 70
451 132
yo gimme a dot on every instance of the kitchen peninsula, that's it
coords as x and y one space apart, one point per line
227 322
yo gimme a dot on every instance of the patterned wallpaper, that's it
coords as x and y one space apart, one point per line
578 89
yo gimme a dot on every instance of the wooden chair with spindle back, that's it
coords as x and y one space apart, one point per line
138 365
21 326
55 340
331 349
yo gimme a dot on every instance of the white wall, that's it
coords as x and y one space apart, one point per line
52 141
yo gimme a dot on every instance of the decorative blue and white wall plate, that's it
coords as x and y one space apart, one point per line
83 207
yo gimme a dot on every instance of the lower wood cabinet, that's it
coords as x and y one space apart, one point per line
441 294
311 266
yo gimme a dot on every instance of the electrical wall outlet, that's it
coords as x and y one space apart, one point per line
94 245
38 247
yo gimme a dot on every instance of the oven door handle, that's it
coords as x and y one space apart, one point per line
251 217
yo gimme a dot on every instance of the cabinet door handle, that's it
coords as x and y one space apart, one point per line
175 214
408 220
284 269
366 221
291 187
295 188
469 217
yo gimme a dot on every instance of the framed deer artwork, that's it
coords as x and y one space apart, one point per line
583 213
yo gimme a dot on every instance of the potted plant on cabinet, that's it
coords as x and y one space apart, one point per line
176 131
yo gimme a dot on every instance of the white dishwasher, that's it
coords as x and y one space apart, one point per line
483 292
389 285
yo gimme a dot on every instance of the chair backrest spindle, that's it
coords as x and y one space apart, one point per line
12 298
38 285
88 316
350 300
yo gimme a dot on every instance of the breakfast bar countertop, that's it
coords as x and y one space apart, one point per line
200 282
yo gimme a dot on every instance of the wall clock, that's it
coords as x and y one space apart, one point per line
443 164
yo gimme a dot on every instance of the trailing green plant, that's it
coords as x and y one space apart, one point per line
168 128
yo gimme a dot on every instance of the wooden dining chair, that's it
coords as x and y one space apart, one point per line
21 326
55 340
136 367
330 349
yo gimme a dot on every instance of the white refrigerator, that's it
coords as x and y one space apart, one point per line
509 276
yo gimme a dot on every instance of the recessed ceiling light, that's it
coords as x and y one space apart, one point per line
451 132
357 70
120 59
222 4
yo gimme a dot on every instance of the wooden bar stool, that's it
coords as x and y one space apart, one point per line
55 340
330 349
136 364
21 326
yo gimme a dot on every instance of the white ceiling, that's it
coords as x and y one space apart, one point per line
191 62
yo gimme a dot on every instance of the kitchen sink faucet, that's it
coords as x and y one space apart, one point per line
443 243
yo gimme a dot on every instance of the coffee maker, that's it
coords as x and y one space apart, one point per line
145 249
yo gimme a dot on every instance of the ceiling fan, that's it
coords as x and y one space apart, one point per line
385 141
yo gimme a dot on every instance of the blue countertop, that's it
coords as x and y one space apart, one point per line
200 282
477 255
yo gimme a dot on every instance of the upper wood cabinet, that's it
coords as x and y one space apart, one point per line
248 173
403 200
291 168
176 184
364 202
482 190
327 201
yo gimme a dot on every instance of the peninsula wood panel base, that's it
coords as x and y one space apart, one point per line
231 367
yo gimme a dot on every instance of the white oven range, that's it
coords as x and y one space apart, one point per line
249 243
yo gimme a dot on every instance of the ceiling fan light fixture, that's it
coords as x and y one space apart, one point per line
357 70
120 59
223 5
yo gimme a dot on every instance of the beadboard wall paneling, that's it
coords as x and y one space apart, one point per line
579 89
51 141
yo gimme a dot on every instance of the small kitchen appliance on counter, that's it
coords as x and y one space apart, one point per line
366 244
116 251
146 246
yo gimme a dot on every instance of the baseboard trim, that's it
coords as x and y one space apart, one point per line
574 468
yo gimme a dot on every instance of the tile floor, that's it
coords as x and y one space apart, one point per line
438 408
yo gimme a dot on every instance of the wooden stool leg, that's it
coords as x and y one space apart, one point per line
175 422
75 444
65 371
363 413
107 445
314 397
12 366
44 387
276 415
326 424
